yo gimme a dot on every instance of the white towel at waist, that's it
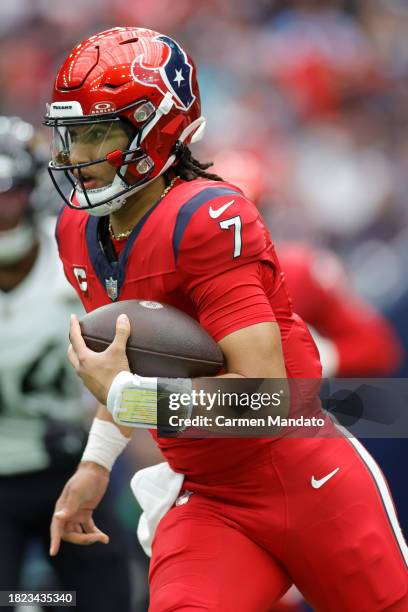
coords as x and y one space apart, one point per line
156 488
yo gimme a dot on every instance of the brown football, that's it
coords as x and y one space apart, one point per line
163 342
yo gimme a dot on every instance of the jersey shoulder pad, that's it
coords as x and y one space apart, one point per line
52 265
69 228
218 229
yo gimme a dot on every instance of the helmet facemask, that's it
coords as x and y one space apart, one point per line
81 144
94 154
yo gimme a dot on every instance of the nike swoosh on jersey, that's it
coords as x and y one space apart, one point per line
316 484
214 214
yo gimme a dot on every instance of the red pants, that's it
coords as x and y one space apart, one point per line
241 539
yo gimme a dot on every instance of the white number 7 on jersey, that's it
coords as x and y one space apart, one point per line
236 221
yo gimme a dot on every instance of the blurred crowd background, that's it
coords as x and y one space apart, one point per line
307 108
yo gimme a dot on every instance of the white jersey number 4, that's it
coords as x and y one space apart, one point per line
237 224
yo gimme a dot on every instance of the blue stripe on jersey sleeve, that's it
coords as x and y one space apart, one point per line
190 207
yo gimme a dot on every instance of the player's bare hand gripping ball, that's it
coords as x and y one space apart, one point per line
97 370
72 519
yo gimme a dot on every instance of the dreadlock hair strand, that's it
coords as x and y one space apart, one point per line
188 168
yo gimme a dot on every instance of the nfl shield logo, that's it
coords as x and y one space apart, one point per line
111 285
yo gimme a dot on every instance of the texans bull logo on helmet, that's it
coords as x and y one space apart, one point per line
174 75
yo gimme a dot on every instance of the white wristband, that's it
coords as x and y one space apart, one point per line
105 444
132 400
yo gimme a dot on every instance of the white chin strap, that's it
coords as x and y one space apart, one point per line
16 243
196 128
94 196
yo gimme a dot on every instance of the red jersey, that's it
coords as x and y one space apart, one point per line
204 249
365 342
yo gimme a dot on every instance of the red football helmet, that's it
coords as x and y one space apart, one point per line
130 95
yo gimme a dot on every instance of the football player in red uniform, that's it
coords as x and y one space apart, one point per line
146 220
353 338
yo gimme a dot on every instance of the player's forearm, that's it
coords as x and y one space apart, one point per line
151 402
254 352
253 357
103 414
106 440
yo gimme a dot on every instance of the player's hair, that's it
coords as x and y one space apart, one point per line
188 168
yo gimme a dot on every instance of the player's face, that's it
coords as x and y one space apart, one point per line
78 144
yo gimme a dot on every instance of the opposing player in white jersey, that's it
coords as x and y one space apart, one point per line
41 412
